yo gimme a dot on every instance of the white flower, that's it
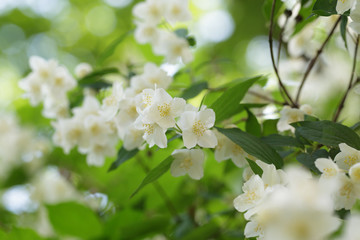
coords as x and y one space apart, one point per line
32 85
354 173
111 104
352 230
290 3
271 176
83 69
227 149
188 162
150 11
98 151
327 167
195 128
153 133
289 115
154 76
344 5
146 32
346 194
177 10
133 138
347 156
50 187
253 229
164 109
254 190
173 47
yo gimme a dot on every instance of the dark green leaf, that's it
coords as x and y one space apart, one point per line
207 231
342 213
253 146
111 48
181 32
122 156
97 75
74 219
343 26
327 133
276 140
310 118
194 90
325 7
309 159
97 84
155 173
255 168
228 104
252 124
269 127
191 41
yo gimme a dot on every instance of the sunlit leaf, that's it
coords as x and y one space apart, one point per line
122 156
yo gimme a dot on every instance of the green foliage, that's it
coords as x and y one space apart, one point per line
155 173
325 7
194 90
228 104
343 26
309 159
74 219
277 140
122 156
328 133
255 168
254 146
252 125
207 231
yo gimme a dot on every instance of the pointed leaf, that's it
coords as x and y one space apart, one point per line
343 26
194 90
252 124
254 167
122 156
228 103
253 145
325 7
276 140
155 173
327 133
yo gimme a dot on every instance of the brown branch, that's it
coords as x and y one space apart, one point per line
313 61
342 103
282 88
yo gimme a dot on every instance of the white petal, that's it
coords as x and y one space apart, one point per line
208 140
187 120
207 116
189 139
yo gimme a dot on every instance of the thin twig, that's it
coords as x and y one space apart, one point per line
281 85
313 61
265 97
342 103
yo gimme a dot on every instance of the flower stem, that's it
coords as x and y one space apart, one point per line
282 88
313 61
342 103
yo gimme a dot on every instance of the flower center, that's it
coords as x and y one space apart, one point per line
164 110
198 128
329 172
346 190
351 160
187 163
149 128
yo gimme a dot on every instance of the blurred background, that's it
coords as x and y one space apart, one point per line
232 43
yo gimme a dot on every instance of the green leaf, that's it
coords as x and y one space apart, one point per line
21 234
204 232
74 219
112 47
276 140
343 26
255 168
228 104
328 133
269 127
122 156
93 80
155 173
253 146
325 7
252 124
194 90
191 41
309 159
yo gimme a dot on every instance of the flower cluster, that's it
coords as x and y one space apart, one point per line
344 173
48 83
287 205
153 13
354 7
289 115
